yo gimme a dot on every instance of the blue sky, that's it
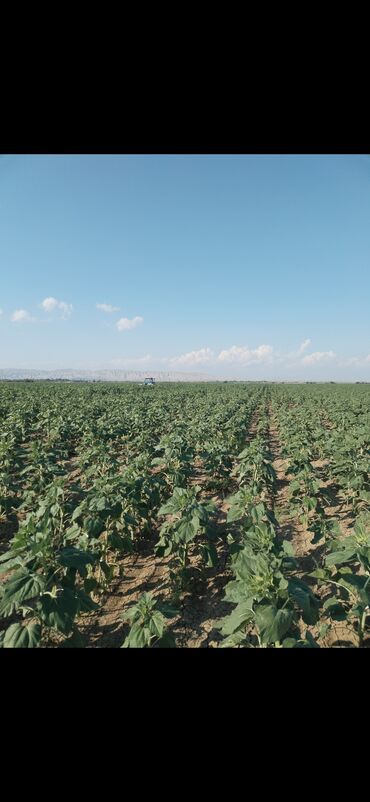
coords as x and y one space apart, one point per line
245 266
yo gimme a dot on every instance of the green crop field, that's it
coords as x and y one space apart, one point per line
205 515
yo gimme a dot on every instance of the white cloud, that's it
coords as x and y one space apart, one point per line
1 312
124 323
318 356
304 345
245 355
22 316
193 357
66 309
289 358
49 304
107 308
358 361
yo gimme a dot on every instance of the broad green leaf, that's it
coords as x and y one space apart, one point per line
10 564
7 556
238 618
58 612
236 592
19 588
72 557
93 526
209 553
335 609
235 513
72 532
272 623
78 511
137 638
311 641
339 557
306 601
186 531
98 504
157 624
319 573
84 602
289 643
20 636
234 640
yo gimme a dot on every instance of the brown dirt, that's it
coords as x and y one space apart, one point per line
200 607
308 555
144 572
203 606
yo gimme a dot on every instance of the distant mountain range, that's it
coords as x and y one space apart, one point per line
104 375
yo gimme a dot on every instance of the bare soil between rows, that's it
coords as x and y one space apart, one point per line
201 606
308 555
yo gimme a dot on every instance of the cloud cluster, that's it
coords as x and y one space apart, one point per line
262 355
193 357
318 356
236 355
240 354
22 316
357 361
304 345
125 324
246 356
49 304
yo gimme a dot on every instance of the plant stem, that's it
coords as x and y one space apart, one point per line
332 582
362 628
